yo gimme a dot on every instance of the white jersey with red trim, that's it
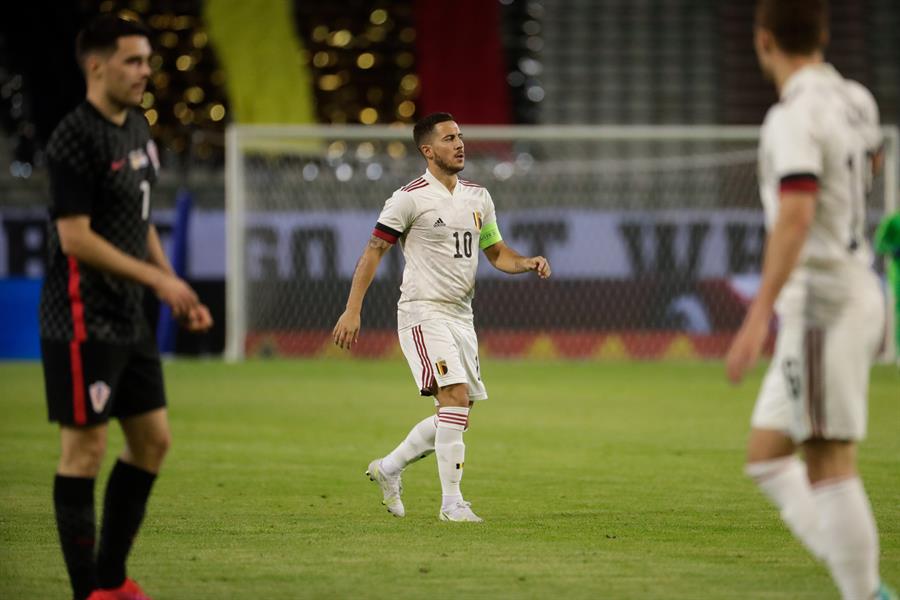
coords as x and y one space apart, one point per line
821 137
439 233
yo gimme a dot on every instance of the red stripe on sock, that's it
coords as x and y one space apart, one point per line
452 418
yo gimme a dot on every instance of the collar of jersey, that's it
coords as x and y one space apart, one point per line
807 73
438 185
96 112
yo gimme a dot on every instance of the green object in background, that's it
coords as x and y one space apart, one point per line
267 69
887 242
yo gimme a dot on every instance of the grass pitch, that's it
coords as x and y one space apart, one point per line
595 480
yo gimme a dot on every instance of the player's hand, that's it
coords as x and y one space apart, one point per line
539 265
346 331
177 294
747 345
197 319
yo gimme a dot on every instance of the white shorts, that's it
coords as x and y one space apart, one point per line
818 382
442 353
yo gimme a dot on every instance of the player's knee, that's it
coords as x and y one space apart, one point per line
163 444
454 395
82 456
828 459
156 446
767 445
148 450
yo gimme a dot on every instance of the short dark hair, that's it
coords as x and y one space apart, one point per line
799 26
103 32
425 126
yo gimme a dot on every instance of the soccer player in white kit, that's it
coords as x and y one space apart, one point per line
819 147
441 221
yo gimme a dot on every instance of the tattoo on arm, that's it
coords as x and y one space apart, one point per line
377 243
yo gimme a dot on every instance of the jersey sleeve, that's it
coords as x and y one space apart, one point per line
490 231
396 217
153 155
867 116
796 153
72 181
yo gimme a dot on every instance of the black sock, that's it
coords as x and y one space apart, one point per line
73 499
123 510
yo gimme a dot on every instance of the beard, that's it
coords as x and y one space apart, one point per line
123 100
448 169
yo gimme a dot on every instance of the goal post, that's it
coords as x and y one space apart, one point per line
655 234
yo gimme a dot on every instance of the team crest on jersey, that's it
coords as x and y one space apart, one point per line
99 392
442 367
478 220
138 159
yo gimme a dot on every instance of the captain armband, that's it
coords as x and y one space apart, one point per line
490 235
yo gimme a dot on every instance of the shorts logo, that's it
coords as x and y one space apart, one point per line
99 392
460 466
441 367
478 220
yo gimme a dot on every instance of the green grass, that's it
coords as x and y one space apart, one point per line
595 481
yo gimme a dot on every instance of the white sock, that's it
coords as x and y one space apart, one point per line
418 444
450 450
785 483
851 537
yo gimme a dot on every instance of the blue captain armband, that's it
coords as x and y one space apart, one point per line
490 235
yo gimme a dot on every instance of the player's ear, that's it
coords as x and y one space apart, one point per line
427 151
763 41
93 66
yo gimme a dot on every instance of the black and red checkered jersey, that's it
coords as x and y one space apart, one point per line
104 171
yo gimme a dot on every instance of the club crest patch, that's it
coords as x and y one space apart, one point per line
441 367
138 159
478 219
99 392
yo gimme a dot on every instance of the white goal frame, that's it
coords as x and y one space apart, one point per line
239 136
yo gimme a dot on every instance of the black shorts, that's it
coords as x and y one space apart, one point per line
89 382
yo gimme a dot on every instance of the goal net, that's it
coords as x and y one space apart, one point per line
655 235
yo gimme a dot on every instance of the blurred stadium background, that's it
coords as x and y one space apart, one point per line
656 240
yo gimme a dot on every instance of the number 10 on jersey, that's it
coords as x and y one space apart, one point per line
466 244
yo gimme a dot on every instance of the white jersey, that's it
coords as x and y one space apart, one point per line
820 137
439 233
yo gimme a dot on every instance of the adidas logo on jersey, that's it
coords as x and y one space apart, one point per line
440 223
